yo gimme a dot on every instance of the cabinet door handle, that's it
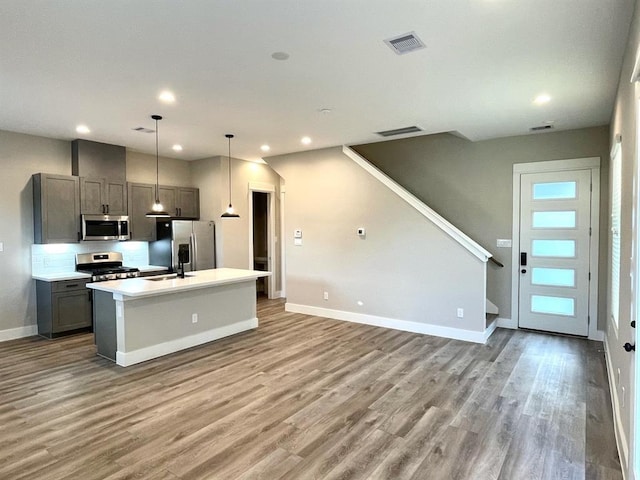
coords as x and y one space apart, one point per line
71 286
107 208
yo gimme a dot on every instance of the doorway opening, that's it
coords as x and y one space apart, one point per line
262 236
260 221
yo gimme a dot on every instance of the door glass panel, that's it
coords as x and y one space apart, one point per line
554 219
555 277
552 305
553 248
554 190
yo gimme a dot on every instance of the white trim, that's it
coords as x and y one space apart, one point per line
278 294
621 439
404 325
557 165
592 163
125 359
507 323
417 204
283 243
19 332
262 187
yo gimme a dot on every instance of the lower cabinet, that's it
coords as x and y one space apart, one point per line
63 306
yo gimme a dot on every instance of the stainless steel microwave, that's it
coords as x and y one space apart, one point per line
105 227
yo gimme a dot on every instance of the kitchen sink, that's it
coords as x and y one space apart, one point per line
170 276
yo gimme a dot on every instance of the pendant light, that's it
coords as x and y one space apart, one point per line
157 210
229 212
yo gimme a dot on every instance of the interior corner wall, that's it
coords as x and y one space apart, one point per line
470 184
20 157
141 168
210 175
405 268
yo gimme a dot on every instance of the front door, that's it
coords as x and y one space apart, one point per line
555 233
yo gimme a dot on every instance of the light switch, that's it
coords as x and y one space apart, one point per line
361 232
297 241
503 243
297 233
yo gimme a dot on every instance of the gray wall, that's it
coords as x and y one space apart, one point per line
20 157
624 122
402 270
470 184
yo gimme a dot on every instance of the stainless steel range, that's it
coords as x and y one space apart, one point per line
104 266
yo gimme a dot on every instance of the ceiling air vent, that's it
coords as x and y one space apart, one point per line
541 128
143 130
405 43
399 131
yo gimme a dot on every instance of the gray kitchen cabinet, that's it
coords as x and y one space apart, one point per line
140 198
56 208
181 202
63 306
98 160
102 196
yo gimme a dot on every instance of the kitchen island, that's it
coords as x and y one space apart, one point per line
138 319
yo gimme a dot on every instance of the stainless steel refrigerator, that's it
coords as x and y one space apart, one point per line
173 235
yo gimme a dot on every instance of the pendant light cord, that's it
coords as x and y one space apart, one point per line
157 166
229 137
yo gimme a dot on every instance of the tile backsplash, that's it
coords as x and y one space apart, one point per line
61 258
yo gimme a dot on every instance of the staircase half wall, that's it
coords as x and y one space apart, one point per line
406 272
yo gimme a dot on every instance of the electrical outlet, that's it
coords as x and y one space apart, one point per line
326 295
461 313
194 318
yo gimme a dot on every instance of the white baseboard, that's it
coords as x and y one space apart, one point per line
125 359
621 438
507 323
404 325
20 332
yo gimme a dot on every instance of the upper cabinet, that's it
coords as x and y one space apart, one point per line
56 208
180 202
99 160
102 169
140 199
102 196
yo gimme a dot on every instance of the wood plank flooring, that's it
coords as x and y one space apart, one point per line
309 398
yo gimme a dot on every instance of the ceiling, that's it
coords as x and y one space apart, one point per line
104 63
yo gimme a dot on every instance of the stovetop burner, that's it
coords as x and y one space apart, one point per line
104 266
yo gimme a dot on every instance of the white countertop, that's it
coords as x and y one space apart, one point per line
143 287
61 276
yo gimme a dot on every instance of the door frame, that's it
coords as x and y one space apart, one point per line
270 190
590 163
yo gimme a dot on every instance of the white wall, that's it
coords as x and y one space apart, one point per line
624 123
405 269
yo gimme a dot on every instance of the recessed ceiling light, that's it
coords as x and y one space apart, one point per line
177 148
167 97
82 129
265 148
305 140
542 99
280 55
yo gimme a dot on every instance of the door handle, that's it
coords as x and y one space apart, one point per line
628 347
523 259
